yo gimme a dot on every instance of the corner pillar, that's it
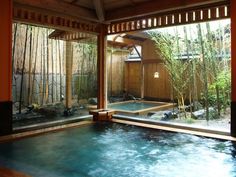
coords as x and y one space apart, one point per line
5 67
101 65
69 63
233 67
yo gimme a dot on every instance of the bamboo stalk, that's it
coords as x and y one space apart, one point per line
213 63
52 82
30 67
205 79
14 47
13 58
60 69
56 69
35 64
23 67
47 70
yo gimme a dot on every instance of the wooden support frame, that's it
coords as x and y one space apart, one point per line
172 18
69 63
58 7
233 67
101 65
43 18
5 67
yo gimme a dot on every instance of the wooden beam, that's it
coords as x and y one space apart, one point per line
233 66
69 64
44 18
99 9
152 7
60 7
119 39
151 61
5 50
101 55
6 67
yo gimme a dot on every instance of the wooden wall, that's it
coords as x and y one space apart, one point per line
136 77
133 78
156 88
115 71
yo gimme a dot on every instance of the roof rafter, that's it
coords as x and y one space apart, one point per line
99 9
151 7
60 7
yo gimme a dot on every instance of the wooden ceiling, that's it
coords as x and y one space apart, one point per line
106 11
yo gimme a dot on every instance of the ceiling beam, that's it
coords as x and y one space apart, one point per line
152 7
119 39
99 9
60 7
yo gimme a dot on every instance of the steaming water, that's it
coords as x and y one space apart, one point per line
113 150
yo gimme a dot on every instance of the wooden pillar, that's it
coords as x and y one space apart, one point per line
69 62
233 66
5 67
101 59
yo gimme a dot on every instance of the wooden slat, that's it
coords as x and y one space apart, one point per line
184 16
154 6
25 15
59 7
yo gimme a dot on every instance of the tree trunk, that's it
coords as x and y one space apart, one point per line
190 68
13 58
14 48
47 78
52 85
30 67
56 69
60 68
35 65
213 62
204 71
23 67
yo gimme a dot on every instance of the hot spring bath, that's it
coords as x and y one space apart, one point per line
112 150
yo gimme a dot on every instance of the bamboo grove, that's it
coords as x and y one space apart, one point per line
197 58
39 68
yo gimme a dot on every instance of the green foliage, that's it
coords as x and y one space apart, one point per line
223 82
168 47
189 120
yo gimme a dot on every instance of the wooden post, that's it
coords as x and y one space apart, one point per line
102 86
233 66
5 67
69 59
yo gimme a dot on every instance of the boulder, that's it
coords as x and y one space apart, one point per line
201 114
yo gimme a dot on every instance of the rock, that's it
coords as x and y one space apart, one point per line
201 114
167 115
93 101
157 115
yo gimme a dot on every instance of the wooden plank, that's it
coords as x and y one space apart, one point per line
101 59
149 7
178 128
61 8
150 61
180 16
69 63
23 15
5 50
99 10
233 66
